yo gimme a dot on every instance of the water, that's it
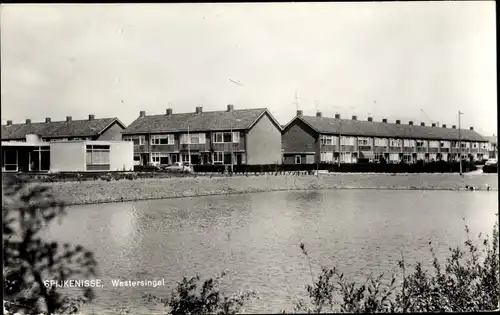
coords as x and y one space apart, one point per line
256 238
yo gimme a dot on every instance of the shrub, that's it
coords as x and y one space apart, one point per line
27 258
188 299
469 282
492 168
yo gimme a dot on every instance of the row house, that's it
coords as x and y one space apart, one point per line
491 146
65 146
246 136
311 139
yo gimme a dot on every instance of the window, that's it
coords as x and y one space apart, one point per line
434 144
364 141
407 158
380 142
227 137
409 143
378 156
326 140
137 140
97 154
10 159
218 157
347 141
326 156
395 142
298 159
420 143
162 139
236 137
193 138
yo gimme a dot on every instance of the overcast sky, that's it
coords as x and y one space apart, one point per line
386 60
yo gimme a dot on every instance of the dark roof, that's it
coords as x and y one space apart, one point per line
59 129
242 119
327 125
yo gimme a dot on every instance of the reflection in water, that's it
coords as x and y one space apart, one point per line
256 237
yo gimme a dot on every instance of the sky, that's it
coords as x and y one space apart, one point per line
419 61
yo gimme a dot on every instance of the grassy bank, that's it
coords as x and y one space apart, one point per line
99 191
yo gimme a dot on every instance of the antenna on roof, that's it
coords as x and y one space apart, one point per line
316 106
296 101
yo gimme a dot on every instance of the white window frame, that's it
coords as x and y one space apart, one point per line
299 158
142 139
326 140
409 143
236 137
219 157
344 140
363 141
395 143
381 142
98 151
156 139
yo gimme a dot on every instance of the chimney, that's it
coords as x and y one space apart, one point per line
169 111
47 120
398 122
318 114
422 124
453 126
299 112
9 122
337 116
433 125
199 109
370 119
91 117
354 117
28 121
230 107
142 113
410 123
444 126
384 120
68 118
471 128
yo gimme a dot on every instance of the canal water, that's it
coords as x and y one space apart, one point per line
256 237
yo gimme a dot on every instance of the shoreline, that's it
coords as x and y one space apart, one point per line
97 192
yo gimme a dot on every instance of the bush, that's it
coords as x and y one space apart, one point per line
492 168
469 282
28 259
419 167
188 299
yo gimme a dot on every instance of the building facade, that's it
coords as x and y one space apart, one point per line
35 155
247 136
492 147
65 146
312 139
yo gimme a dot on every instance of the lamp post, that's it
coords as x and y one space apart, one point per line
460 141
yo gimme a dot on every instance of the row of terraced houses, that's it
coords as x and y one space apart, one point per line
230 136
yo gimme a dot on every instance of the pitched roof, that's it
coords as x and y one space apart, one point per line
59 129
241 119
329 125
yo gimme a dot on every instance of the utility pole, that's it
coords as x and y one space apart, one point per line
189 149
460 141
232 153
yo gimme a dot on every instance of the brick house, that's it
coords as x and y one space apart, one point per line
245 136
311 139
